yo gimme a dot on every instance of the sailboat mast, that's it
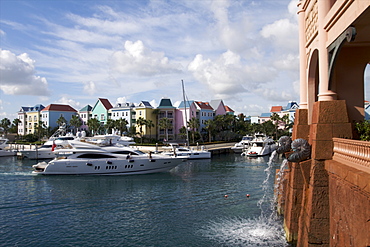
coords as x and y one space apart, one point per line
186 117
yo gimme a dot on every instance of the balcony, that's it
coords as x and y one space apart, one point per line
353 153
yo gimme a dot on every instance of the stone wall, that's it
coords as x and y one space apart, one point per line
327 198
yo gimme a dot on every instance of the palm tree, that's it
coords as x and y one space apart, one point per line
93 124
166 124
61 120
140 122
15 123
75 122
276 120
110 125
194 126
210 127
5 124
121 125
40 128
149 124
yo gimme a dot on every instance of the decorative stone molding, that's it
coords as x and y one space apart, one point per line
353 153
311 23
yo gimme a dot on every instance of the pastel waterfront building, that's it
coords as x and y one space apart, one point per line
28 117
51 114
218 106
123 111
146 111
367 110
85 114
165 109
101 109
185 111
204 113
22 116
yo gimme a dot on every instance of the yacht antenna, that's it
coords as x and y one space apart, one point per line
186 117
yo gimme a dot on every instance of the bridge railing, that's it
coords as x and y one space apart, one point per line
352 152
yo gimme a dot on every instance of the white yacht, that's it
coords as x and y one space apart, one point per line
108 140
46 150
89 159
3 145
175 150
242 145
261 145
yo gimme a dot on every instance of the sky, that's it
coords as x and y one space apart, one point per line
74 52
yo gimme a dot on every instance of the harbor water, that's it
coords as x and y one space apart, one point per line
224 201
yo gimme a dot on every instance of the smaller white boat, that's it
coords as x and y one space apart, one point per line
3 146
110 140
56 141
89 159
175 150
261 145
46 150
242 145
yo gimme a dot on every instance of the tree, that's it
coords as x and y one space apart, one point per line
14 127
276 120
75 122
210 127
5 124
61 120
149 124
166 124
110 125
121 125
193 124
140 122
94 125
40 129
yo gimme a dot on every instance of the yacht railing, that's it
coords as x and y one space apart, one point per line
352 152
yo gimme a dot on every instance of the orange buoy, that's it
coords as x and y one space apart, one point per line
247 195
226 196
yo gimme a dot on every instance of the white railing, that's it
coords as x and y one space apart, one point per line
352 152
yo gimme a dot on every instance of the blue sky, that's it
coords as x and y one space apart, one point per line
243 52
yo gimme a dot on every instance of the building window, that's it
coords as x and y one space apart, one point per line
102 117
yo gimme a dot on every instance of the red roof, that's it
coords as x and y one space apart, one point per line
228 109
276 109
106 103
204 105
59 107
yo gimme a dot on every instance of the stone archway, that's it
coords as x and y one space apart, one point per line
313 83
348 79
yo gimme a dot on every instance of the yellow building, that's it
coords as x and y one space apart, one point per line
29 119
146 112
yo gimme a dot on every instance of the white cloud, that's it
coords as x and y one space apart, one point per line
90 87
224 76
274 94
121 100
18 75
283 34
67 101
136 59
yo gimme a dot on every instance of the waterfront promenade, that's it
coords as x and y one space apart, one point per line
216 148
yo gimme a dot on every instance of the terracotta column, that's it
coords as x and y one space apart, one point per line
302 58
324 93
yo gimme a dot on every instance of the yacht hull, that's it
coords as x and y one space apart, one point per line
106 167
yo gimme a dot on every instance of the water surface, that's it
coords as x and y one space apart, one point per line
185 207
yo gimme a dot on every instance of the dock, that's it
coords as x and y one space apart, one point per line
219 148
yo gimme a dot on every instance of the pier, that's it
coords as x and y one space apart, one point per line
218 148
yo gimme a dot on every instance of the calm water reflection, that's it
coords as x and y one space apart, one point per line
186 207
